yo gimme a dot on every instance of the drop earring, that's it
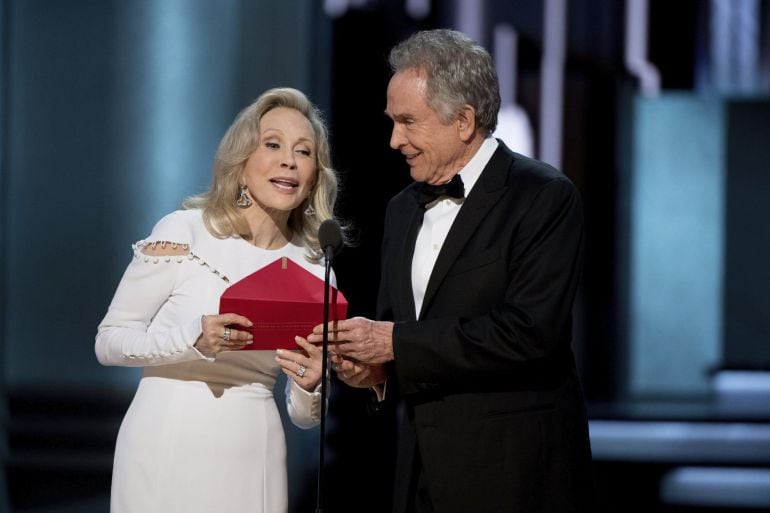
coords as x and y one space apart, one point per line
243 201
309 211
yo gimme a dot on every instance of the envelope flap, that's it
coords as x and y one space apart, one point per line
282 299
280 281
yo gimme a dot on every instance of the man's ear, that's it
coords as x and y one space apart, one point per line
466 123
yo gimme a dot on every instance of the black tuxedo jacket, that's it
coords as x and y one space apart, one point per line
494 412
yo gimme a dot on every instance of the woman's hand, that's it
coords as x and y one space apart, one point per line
304 365
216 337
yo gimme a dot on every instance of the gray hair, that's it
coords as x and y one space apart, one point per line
459 72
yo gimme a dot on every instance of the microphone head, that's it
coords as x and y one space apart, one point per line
330 237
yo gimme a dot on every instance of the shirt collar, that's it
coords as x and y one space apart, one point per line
472 170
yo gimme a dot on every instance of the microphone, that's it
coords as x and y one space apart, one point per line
330 238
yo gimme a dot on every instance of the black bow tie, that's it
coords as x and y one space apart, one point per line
427 193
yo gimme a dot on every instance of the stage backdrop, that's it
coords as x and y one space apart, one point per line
112 112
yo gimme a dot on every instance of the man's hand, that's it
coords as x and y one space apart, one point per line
363 340
356 374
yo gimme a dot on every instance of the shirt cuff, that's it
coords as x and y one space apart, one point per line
380 391
304 406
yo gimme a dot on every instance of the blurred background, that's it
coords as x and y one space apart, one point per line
659 111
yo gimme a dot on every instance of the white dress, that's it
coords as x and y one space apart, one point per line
202 434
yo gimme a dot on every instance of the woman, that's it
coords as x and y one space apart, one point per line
203 432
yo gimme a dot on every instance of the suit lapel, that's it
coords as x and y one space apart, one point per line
483 197
404 306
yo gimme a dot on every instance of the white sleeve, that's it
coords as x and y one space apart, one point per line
122 336
304 407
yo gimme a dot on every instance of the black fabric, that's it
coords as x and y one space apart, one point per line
427 193
496 420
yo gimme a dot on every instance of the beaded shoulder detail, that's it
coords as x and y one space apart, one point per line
171 252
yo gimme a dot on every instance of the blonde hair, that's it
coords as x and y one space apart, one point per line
222 216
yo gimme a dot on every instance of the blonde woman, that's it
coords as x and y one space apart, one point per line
203 433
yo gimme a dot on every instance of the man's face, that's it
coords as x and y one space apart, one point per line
433 149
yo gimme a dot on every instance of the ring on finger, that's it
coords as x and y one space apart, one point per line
301 370
226 334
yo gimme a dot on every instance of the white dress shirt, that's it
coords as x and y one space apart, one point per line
439 216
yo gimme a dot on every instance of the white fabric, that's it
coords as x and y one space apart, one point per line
438 219
201 434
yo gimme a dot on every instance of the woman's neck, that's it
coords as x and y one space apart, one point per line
269 229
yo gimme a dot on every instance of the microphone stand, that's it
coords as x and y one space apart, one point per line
328 252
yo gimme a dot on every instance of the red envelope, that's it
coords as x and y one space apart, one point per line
283 299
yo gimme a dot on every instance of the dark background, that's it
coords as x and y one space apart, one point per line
110 113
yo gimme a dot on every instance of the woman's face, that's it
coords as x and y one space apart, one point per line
281 172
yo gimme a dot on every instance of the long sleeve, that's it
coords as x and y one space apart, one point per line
304 407
123 337
131 334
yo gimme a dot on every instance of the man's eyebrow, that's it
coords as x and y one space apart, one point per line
398 117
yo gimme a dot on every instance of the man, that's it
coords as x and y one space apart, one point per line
475 301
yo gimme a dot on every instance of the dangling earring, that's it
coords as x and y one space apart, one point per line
309 211
243 201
